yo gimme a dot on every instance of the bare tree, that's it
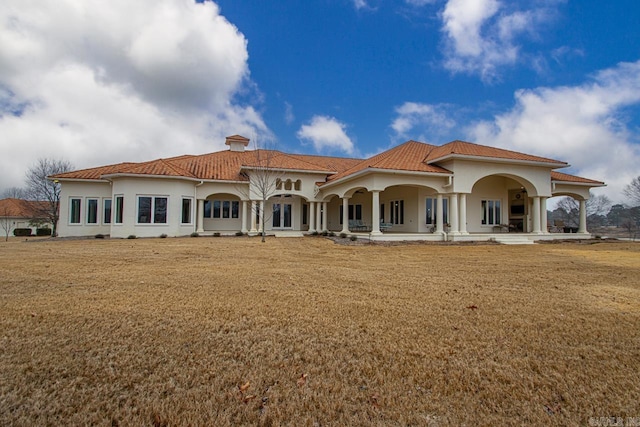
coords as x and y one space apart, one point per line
6 223
597 207
41 188
14 193
632 191
263 183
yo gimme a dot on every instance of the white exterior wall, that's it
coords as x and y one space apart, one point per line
100 190
490 188
173 189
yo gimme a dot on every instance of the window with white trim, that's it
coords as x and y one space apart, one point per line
106 211
119 214
187 204
152 209
491 212
432 210
397 211
223 209
74 210
92 211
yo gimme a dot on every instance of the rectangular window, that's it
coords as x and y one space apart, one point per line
186 211
74 211
160 205
226 207
397 211
491 212
432 209
92 211
144 210
305 212
152 210
119 209
276 215
106 211
381 212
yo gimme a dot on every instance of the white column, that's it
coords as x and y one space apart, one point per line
312 217
453 213
375 212
582 228
543 215
463 214
319 217
536 215
439 215
254 209
325 205
243 228
345 215
200 217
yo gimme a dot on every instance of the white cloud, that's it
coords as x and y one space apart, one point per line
100 82
360 4
419 3
480 35
326 133
421 121
289 117
584 125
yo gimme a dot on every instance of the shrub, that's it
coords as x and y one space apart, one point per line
332 234
43 231
163 236
131 236
239 233
216 234
354 238
22 232
315 233
99 236
194 234
343 235
325 233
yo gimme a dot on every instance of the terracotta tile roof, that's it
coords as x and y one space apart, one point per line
463 148
96 173
19 208
408 157
558 176
227 165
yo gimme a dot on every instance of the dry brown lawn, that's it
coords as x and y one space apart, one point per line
230 331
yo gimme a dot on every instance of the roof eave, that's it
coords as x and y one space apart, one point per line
551 165
384 171
583 184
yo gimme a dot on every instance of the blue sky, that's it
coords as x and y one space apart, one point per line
104 82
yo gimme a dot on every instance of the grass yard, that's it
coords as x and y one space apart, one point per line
305 332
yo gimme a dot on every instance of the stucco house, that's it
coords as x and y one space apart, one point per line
414 191
19 213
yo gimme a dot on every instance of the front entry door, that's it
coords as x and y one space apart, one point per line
281 215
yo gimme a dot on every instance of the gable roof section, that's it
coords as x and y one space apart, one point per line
19 208
563 177
463 149
406 157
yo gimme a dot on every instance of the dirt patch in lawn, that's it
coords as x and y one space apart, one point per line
231 331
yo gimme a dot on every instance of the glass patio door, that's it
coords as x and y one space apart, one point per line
281 215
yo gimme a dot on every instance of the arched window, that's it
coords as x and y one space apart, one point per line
298 185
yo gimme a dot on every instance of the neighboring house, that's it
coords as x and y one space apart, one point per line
18 213
457 191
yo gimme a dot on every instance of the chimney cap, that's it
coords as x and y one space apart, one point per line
236 139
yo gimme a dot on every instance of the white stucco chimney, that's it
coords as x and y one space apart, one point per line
237 142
